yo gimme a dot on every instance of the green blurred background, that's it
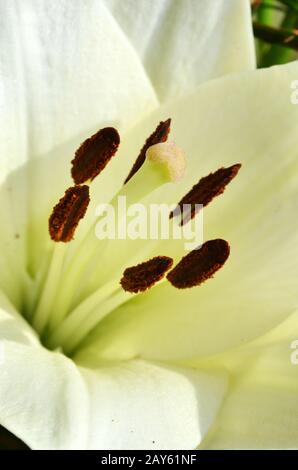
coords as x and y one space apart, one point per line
275 24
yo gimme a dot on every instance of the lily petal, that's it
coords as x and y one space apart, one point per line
249 119
13 326
182 44
40 392
137 405
65 70
261 408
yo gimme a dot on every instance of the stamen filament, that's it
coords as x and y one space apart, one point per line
98 305
73 275
94 296
33 295
45 304
78 324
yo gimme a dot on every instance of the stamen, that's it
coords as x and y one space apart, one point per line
68 212
143 276
159 135
205 190
199 265
94 154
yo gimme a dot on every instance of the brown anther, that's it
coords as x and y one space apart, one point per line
205 190
199 265
68 212
159 135
94 154
143 276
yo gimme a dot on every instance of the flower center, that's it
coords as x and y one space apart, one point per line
74 294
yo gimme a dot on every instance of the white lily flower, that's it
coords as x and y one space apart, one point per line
137 378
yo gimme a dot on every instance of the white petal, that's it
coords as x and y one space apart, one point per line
261 408
51 404
247 119
183 43
13 327
138 405
65 70
43 398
